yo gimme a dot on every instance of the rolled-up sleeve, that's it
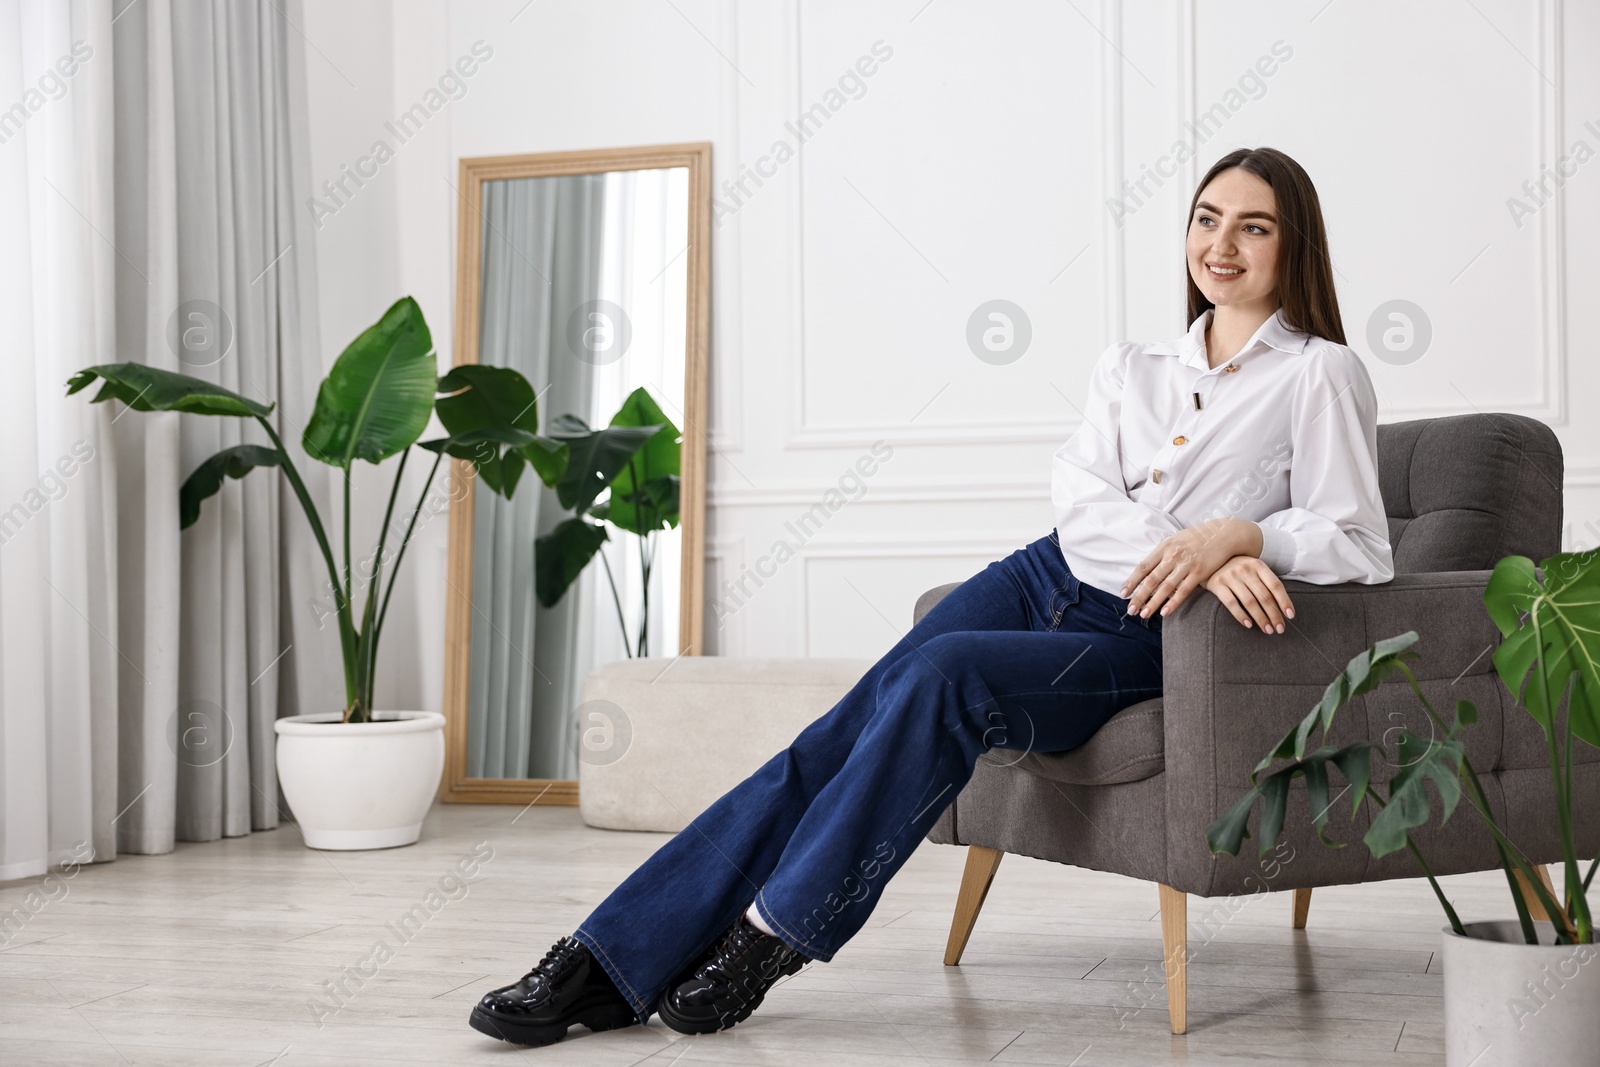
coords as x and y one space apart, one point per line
1104 533
1336 529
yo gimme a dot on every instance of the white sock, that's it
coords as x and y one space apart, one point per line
757 921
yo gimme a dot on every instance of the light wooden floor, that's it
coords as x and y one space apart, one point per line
210 956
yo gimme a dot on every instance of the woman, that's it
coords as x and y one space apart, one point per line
1238 455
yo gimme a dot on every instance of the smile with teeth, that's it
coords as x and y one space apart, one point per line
1224 272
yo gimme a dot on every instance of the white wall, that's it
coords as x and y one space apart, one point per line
976 163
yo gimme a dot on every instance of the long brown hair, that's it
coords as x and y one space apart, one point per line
1305 273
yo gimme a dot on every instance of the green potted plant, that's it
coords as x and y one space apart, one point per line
355 778
1515 992
638 455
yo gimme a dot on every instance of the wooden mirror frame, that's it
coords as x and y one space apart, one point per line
456 787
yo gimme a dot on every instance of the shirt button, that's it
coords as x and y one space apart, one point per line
1155 476
1180 439
1230 368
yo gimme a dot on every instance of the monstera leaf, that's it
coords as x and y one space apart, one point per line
145 388
1567 610
1550 626
378 397
1364 673
1421 761
1228 833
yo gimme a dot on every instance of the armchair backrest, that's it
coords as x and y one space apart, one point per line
1462 491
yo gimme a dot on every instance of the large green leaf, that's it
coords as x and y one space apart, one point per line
480 396
150 389
378 397
548 458
1228 832
492 451
661 494
596 457
560 556
483 398
1408 806
664 494
1364 673
207 478
659 458
1567 607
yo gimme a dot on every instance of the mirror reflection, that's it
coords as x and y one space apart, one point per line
582 287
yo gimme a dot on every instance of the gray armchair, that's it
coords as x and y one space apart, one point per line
1461 492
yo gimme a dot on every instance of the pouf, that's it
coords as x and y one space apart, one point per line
661 739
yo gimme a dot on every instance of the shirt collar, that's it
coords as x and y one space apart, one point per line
1190 348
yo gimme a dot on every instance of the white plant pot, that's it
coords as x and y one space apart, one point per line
361 785
1508 1003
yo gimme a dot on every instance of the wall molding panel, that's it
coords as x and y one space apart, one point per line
813 292
1107 153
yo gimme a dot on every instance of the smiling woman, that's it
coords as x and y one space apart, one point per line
788 865
1259 277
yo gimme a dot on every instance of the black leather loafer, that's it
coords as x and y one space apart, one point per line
729 982
568 987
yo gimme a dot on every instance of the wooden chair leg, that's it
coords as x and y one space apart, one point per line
981 864
1302 905
1535 909
1175 952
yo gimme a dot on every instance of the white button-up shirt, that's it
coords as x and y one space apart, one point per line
1283 434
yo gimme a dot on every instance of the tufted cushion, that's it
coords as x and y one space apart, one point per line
1463 491
1126 749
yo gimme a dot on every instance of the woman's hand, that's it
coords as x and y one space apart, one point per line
1165 577
1248 588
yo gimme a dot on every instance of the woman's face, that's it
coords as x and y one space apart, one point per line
1233 241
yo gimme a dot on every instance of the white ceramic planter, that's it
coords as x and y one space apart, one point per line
361 785
1508 1003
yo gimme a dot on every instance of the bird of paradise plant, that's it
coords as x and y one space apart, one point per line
375 403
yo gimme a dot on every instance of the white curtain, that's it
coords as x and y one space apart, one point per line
644 268
149 204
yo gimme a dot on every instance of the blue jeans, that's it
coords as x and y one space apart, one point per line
1023 655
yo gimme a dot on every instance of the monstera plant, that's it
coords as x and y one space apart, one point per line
1514 992
1549 621
638 456
374 404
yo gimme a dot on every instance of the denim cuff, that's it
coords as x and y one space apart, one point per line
641 1009
788 938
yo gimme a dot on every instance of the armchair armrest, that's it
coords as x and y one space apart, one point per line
1231 692
927 600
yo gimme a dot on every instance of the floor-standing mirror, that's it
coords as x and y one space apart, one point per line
588 272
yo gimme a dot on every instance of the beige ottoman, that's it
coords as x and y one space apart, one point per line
660 741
